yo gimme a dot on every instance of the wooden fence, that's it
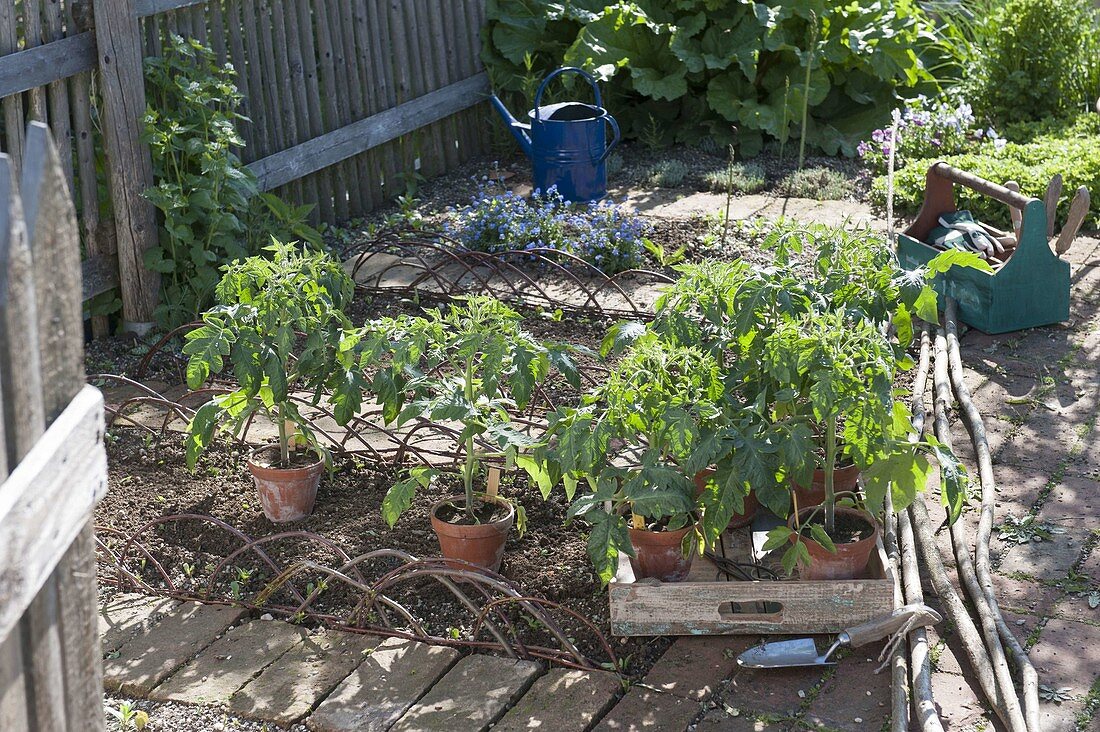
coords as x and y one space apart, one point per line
53 466
347 99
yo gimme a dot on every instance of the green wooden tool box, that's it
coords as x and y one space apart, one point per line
1030 289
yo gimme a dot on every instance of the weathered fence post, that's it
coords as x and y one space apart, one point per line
130 168
53 466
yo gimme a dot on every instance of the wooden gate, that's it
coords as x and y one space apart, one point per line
52 462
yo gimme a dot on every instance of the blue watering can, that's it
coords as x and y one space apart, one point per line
567 142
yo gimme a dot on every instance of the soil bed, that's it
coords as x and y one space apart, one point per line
549 561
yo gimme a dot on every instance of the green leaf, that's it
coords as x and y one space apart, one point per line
944 261
926 305
607 538
817 531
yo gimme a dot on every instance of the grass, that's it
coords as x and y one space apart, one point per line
822 184
667 174
745 178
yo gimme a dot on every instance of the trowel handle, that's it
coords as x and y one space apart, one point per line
917 615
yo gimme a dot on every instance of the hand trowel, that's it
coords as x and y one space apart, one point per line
803 651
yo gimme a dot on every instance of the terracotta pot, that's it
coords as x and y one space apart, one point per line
658 554
844 479
849 561
748 509
286 494
480 544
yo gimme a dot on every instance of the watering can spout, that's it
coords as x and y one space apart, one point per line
518 129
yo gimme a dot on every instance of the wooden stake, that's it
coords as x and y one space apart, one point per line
1077 212
494 482
1050 201
638 521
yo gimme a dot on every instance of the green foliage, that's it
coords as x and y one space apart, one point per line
738 178
472 364
822 184
1074 151
667 174
659 410
687 69
206 196
279 326
1039 62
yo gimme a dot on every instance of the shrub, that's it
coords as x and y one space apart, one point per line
262 305
690 68
1074 152
926 130
206 196
738 177
822 184
668 174
1039 62
606 236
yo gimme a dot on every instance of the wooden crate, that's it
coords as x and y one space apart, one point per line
708 603
1031 289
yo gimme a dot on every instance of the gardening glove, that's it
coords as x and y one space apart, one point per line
975 238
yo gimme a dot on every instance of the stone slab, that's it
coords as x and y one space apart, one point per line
1067 655
957 703
292 686
128 615
1047 559
693 667
772 691
389 681
1074 499
719 720
645 710
854 697
229 663
471 696
146 660
563 700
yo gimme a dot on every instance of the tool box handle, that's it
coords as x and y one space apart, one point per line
981 185
939 197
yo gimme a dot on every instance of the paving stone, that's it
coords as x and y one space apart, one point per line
471 696
563 700
853 693
1091 565
148 659
645 710
1017 490
128 615
1074 499
1075 606
957 702
719 720
291 687
772 691
692 667
945 649
389 681
229 663
1025 595
1060 717
1047 559
1021 624
1067 655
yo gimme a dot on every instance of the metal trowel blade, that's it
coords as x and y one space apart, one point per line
782 654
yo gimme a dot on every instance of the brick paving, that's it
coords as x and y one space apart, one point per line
1039 392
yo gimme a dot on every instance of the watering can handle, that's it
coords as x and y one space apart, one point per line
571 69
616 136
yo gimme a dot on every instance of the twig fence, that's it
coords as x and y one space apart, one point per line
347 99
53 466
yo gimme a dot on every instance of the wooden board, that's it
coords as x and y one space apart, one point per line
709 603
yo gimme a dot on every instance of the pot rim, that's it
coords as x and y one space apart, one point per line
864 514
252 464
485 498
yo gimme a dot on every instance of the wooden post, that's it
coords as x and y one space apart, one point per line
130 167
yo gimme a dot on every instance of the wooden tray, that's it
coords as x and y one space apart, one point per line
708 603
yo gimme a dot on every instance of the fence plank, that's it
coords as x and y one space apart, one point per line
122 87
13 105
47 500
145 8
80 633
41 65
365 134
41 627
13 693
55 251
